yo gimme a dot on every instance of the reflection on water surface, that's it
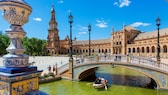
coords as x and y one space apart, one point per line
117 86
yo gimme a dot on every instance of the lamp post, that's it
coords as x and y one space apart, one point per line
158 41
70 47
70 21
89 29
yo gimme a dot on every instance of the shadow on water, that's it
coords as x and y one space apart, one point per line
36 93
125 80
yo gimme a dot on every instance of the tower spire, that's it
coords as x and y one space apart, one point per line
53 23
52 13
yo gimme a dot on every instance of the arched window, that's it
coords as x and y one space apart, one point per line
120 43
133 50
102 51
138 50
153 49
164 49
48 51
105 50
93 51
147 49
143 50
129 50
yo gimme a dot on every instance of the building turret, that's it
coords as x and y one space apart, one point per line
52 47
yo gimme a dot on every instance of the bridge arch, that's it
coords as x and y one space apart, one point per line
156 82
85 73
158 72
144 70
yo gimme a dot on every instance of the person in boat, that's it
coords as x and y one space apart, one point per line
103 81
100 82
97 81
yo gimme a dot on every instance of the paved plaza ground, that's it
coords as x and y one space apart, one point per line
42 62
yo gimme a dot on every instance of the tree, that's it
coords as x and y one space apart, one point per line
34 46
4 43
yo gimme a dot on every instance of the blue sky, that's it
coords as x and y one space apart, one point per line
101 14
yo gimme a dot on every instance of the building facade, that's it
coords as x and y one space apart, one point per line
56 46
145 44
128 40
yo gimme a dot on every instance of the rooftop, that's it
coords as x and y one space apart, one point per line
152 34
84 42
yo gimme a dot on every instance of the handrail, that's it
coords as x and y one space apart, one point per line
127 59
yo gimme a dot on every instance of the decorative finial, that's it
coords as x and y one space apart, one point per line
124 25
113 29
52 9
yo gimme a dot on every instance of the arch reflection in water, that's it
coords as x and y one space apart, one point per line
66 87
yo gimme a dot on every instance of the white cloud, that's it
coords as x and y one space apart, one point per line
81 33
60 1
122 3
116 3
37 19
82 30
137 24
101 24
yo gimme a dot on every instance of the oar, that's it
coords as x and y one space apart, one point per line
105 86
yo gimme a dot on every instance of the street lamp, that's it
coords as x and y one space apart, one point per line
89 29
158 39
70 21
70 47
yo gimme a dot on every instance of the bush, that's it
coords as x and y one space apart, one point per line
41 77
51 74
46 75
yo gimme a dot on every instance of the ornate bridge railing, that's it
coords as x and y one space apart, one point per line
139 61
129 59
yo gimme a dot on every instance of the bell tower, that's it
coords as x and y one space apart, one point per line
52 47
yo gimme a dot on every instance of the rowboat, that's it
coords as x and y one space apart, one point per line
100 83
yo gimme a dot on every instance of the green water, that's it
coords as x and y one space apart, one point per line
66 87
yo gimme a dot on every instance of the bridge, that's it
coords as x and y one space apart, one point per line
147 66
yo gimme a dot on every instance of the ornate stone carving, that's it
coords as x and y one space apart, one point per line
16 12
16 62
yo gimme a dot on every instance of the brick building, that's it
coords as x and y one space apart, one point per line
128 40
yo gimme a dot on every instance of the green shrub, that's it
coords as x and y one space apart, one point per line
51 74
46 75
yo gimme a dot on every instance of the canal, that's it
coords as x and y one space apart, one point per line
121 81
